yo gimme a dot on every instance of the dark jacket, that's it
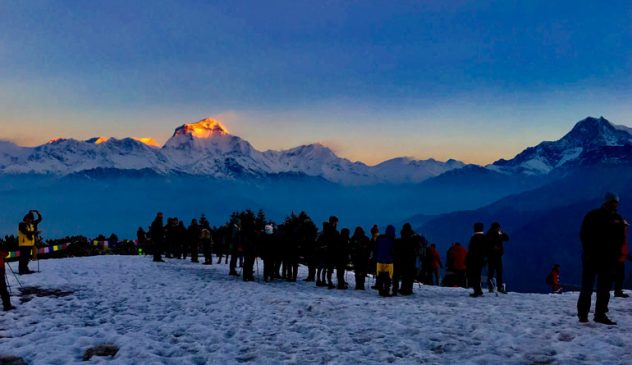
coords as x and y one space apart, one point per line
477 251
360 252
157 231
405 254
495 244
385 246
602 234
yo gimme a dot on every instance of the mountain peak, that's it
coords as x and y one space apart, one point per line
205 128
596 132
592 125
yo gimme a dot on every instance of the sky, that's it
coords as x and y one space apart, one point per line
470 80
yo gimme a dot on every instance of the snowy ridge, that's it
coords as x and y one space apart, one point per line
207 148
183 313
586 136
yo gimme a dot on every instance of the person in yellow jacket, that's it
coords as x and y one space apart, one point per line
27 234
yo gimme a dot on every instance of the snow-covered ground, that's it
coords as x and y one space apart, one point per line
183 313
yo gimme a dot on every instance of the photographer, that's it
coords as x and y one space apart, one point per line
27 235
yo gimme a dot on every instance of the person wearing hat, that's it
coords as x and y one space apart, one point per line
27 234
602 234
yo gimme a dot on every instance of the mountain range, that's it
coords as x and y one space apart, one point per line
206 148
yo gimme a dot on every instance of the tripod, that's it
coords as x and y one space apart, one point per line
14 275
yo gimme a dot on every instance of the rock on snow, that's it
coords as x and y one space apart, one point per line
184 313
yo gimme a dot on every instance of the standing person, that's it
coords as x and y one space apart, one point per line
602 234
342 258
141 237
553 280
475 259
4 293
360 253
321 255
333 240
457 264
171 237
249 249
206 239
157 235
308 234
423 258
405 260
375 232
385 256
266 253
495 239
619 274
290 249
27 234
435 265
193 238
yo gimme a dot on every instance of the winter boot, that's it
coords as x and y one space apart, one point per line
602 318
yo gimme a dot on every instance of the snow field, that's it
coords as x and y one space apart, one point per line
183 313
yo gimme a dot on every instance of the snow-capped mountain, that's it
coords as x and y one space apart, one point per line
318 160
408 170
207 148
65 156
584 140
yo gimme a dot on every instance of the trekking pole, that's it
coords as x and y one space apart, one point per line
14 275
6 280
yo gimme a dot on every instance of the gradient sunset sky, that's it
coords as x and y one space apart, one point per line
470 80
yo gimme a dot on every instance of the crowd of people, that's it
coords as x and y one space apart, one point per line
395 262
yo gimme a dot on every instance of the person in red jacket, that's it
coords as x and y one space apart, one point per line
553 280
435 266
456 263
619 274
4 293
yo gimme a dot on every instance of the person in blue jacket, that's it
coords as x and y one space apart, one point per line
385 255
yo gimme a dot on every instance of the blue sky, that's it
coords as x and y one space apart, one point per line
472 80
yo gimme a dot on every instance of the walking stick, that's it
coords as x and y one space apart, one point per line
6 280
16 277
